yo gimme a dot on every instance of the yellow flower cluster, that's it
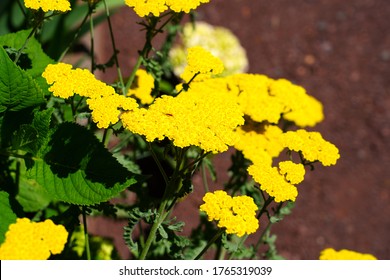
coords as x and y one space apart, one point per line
236 214
26 240
293 172
273 181
48 5
220 41
102 98
299 107
142 87
200 116
312 146
156 7
264 99
202 63
331 254
259 143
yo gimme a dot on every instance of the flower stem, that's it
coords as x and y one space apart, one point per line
25 43
204 178
211 242
91 30
132 75
74 37
115 49
87 249
157 161
152 234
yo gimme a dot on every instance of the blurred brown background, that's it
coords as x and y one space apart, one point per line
340 52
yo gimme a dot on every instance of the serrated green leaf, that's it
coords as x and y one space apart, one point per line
17 89
37 59
41 122
7 215
76 168
135 216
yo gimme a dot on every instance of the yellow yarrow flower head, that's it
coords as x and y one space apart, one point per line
299 107
273 182
156 7
293 172
264 99
219 41
202 63
236 214
48 5
27 240
142 87
312 145
105 110
254 97
146 7
184 5
102 99
332 254
200 117
259 143
65 82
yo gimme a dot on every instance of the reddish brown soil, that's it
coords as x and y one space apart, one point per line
340 52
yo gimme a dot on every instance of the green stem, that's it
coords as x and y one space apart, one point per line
133 73
242 240
87 249
25 43
115 49
260 240
153 230
76 35
106 136
211 242
157 161
91 30
204 178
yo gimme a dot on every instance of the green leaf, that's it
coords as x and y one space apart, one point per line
135 216
31 196
35 60
76 168
17 89
162 232
24 138
7 215
41 122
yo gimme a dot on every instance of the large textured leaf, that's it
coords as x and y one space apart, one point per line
33 60
31 195
17 89
76 168
7 215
